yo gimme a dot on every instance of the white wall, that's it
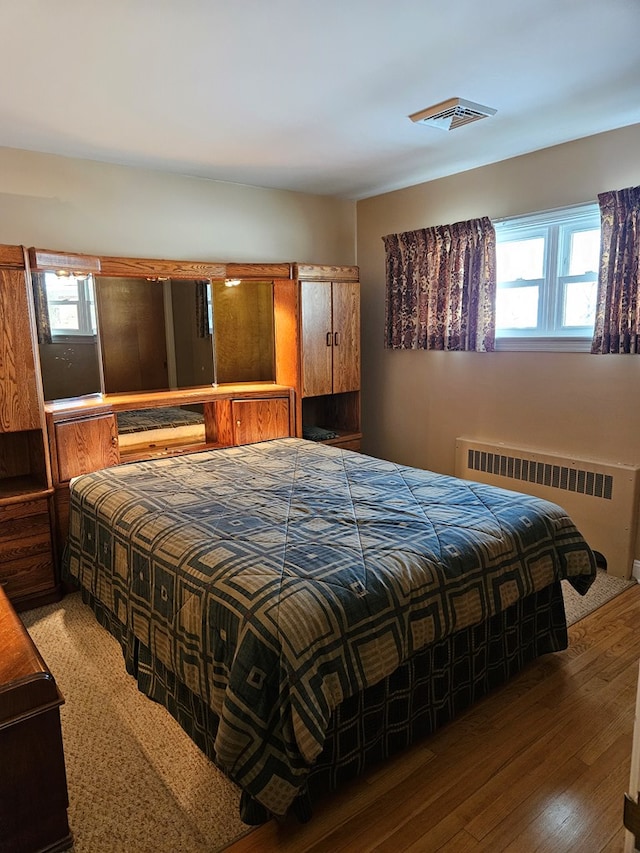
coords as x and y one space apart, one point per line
75 205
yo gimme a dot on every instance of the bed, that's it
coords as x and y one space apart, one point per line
304 610
156 426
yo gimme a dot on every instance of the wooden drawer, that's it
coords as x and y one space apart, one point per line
20 537
28 575
24 509
26 559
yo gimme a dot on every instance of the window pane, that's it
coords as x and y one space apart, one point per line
517 308
61 289
520 259
63 317
585 252
580 303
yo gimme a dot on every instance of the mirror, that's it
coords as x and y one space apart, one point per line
244 331
117 334
160 427
67 334
152 334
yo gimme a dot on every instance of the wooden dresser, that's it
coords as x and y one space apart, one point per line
33 782
26 556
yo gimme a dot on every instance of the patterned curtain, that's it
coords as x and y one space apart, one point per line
617 326
441 287
202 309
43 324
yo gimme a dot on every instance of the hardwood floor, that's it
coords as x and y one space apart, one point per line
542 764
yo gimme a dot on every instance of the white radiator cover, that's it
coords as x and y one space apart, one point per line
601 497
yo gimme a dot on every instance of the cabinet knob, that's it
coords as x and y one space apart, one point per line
328 339
238 422
335 339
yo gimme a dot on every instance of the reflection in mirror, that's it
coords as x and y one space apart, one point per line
67 339
244 331
151 334
161 427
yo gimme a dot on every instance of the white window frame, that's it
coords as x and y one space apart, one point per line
86 309
556 227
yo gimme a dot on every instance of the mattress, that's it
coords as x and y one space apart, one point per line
276 580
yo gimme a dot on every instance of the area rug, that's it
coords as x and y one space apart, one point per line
604 588
137 783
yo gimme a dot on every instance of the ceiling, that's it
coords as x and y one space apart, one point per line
312 96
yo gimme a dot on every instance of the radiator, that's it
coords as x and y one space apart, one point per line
601 497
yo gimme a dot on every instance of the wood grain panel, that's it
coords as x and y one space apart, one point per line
286 316
320 272
18 540
86 445
28 575
19 402
154 268
11 256
317 338
259 271
260 420
224 422
346 332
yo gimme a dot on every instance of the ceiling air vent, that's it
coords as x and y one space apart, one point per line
452 113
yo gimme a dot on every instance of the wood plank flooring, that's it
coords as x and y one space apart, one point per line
542 764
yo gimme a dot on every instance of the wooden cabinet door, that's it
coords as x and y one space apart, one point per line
85 445
260 420
346 336
317 338
19 404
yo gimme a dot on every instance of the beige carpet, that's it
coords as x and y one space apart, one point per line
137 783
604 588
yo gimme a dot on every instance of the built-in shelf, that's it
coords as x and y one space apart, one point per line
19 489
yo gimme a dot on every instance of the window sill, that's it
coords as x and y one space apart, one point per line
543 344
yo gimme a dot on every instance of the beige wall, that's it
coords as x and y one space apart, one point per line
415 404
83 206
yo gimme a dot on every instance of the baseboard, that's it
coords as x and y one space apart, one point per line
635 572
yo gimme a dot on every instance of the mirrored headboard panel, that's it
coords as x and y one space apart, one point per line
244 331
154 335
101 332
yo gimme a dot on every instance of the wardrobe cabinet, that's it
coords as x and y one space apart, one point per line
322 359
26 553
330 313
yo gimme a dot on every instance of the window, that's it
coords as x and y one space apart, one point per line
71 305
547 275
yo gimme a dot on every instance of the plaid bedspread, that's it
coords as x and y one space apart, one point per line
279 578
